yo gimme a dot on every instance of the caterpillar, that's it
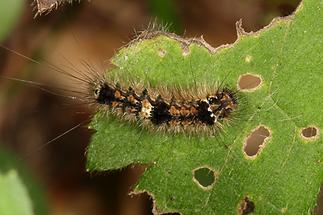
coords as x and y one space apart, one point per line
171 114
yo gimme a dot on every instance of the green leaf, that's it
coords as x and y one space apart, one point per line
14 198
19 193
284 177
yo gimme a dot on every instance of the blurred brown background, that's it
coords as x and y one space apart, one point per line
93 31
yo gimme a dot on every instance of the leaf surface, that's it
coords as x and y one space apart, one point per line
284 178
19 193
14 193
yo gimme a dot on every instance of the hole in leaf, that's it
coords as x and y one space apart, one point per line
310 133
256 141
246 206
204 177
249 82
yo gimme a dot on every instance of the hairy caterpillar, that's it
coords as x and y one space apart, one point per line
174 114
